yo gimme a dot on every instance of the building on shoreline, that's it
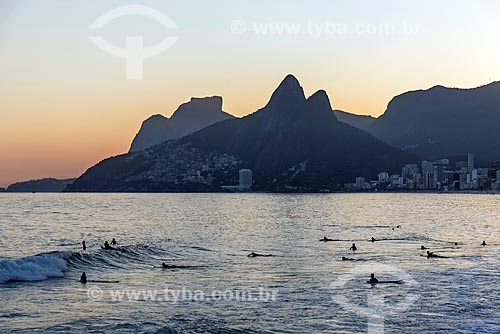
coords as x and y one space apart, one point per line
436 175
245 181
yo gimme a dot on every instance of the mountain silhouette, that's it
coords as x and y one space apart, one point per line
443 122
290 130
293 142
362 122
42 185
188 118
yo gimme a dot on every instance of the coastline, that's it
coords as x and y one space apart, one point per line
465 192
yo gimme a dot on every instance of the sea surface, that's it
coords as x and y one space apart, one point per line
305 287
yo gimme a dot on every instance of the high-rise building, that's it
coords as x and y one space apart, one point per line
470 162
360 182
409 171
438 176
427 180
427 167
473 178
245 179
383 176
427 174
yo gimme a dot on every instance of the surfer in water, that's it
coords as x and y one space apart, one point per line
431 254
172 266
325 239
373 239
373 280
353 247
484 243
83 278
423 247
347 259
107 246
253 254
113 242
83 245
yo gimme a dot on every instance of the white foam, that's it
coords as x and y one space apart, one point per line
34 268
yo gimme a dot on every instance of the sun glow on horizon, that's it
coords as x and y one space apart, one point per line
66 104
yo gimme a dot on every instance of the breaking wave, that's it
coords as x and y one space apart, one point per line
34 268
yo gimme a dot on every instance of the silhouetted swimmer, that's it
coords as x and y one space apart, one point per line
173 266
253 254
423 248
83 245
373 239
399 226
432 255
325 239
113 242
484 243
83 278
373 280
107 246
353 247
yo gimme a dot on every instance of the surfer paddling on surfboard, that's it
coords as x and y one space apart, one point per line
253 254
432 255
84 280
374 280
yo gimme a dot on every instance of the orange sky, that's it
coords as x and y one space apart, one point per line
65 104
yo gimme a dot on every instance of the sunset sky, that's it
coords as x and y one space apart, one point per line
65 103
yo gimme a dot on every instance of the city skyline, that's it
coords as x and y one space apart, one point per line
438 175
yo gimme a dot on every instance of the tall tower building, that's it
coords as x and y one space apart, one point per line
470 161
245 179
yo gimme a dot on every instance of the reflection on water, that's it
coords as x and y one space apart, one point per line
205 238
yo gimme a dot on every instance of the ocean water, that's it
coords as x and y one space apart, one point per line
213 287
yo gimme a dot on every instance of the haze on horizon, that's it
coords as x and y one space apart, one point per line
65 104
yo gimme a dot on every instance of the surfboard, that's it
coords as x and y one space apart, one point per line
386 282
102 281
